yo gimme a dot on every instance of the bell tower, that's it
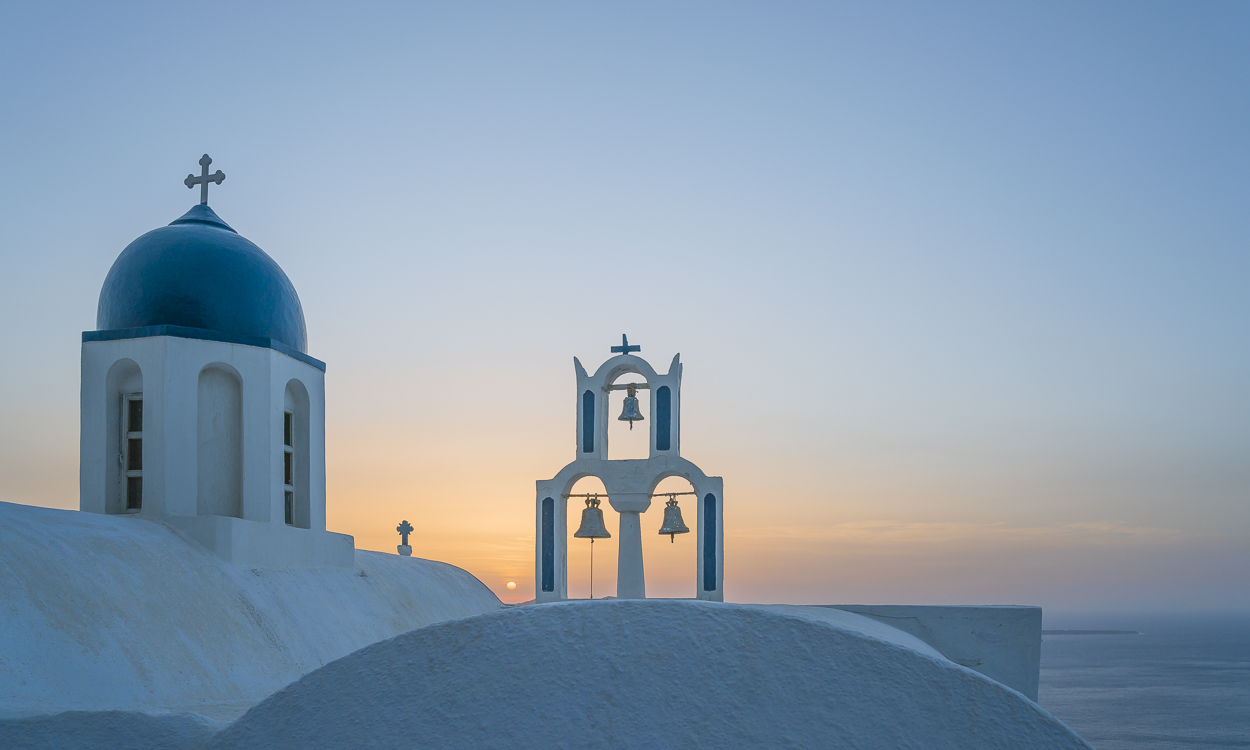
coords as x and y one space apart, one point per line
630 483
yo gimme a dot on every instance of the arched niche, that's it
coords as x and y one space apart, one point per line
295 455
709 541
662 412
547 544
124 404
587 406
219 442
295 444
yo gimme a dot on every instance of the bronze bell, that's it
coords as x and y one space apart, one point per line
631 413
672 520
592 527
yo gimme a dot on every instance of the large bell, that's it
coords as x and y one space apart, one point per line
592 527
672 520
631 413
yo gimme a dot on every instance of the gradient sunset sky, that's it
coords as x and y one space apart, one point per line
962 290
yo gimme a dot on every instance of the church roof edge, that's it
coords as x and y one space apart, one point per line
202 334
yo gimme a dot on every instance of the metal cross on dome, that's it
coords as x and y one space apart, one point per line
204 178
625 347
404 530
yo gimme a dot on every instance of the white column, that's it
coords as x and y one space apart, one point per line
559 541
630 583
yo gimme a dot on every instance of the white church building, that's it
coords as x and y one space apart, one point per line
201 408
197 599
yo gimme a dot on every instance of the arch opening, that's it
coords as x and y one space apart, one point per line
579 550
670 562
624 442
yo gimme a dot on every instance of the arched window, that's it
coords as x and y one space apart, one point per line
124 475
219 453
296 491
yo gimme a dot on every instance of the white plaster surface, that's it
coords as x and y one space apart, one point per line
101 612
1003 643
212 444
649 674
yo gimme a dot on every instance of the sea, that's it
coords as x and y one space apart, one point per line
1183 681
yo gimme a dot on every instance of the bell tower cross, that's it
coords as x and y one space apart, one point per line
625 347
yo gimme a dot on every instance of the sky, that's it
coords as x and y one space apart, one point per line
960 289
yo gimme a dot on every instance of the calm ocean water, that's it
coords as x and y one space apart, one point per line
1183 683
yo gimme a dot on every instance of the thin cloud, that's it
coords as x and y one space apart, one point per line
862 534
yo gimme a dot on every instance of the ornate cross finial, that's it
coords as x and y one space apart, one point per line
204 179
404 530
625 347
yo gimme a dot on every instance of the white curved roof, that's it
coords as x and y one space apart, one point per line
106 612
648 674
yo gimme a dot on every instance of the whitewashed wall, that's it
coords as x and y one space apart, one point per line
213 445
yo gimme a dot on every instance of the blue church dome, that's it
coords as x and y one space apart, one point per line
199 273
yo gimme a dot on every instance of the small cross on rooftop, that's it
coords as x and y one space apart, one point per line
626 347
204 178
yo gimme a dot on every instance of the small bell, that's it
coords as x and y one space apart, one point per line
672 520
592 527
631 412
